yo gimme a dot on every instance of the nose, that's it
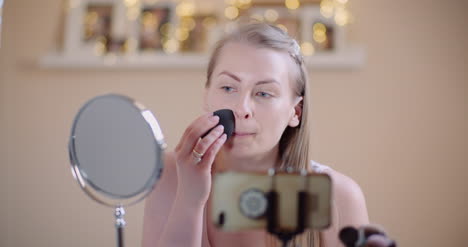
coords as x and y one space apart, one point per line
243 108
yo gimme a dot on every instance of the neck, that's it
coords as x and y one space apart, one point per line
258 163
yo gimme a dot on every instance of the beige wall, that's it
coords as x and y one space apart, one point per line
399 126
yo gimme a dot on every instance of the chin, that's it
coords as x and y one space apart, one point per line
238 150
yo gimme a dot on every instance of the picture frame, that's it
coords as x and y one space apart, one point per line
89 26
333 35
155 26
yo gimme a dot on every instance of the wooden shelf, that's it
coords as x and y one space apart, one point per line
351 58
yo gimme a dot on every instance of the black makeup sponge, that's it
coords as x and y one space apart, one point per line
226 119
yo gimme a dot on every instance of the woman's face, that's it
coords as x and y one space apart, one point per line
256 83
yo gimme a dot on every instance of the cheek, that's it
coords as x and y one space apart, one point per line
274 118
215 102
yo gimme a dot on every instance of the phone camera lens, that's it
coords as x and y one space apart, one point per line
253 203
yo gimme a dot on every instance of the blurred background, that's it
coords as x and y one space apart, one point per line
389 94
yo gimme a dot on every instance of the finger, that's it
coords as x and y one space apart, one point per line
188 129
203 144
190 137
197 129
210 154
379 241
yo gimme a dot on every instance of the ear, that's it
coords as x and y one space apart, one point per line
296 113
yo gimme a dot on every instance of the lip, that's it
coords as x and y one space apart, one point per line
242 134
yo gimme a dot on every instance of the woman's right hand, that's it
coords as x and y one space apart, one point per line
194 175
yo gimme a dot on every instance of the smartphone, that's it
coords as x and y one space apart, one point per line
239 200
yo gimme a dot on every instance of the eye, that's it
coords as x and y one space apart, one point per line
227 89
264 95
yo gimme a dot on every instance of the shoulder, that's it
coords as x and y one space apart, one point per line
345 189
349 200
348 206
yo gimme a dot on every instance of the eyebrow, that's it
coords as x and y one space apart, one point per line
238 79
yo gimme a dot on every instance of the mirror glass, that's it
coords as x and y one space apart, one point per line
116 149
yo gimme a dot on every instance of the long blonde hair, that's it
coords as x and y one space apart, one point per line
295 142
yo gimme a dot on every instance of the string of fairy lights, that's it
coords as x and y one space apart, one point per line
175 36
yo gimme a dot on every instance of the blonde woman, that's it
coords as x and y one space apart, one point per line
258 72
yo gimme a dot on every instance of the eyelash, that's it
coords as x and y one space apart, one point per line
264 95
228 89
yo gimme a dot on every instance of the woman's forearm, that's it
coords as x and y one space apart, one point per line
184 226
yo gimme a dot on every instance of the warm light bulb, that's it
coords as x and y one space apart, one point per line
320 37
341 17
188 23
307 49
130 3
292 4
320 27
271 15
171 46
185 9
231 12
326 8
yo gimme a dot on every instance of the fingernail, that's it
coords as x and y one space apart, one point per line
214 118
219 128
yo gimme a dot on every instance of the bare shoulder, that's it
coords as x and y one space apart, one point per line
159 202
348 207
349 199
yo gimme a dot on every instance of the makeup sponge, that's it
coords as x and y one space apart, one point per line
226 119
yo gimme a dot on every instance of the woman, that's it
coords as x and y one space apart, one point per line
258 72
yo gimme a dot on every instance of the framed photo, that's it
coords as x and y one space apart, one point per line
323 33
89 27
323 38
97 22
156 26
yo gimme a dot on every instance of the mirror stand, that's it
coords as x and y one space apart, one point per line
120 224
